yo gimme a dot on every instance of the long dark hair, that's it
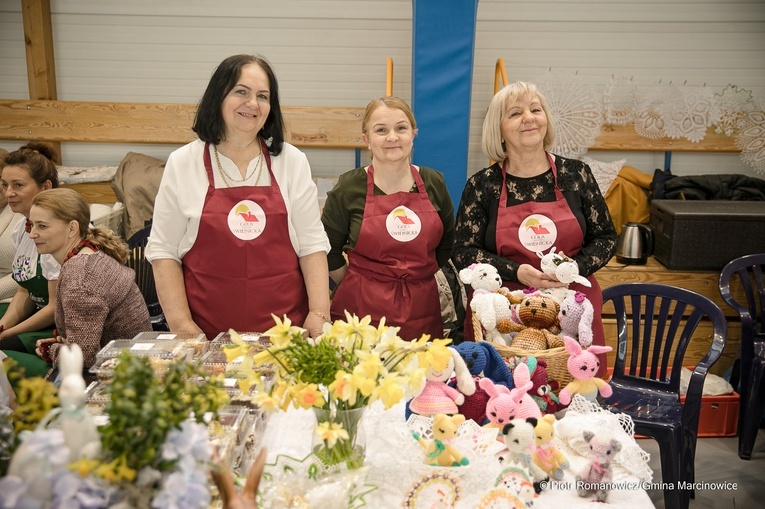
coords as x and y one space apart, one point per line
209 124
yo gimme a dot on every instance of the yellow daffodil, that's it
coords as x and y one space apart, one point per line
365 375
309 396
344 387
389 391
281 333
265 401
331 432
436 355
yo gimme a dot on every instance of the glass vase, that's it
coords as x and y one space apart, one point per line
331 445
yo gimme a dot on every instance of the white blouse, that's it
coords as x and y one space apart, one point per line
181 196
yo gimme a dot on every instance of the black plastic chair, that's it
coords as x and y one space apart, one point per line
655 323
144 277
747 271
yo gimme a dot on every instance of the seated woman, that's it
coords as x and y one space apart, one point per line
97 299
29 316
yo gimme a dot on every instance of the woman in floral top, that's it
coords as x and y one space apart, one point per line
530 201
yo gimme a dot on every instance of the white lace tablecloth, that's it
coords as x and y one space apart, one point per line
394 463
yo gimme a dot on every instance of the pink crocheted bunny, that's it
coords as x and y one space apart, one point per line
506 404
437 397
583 364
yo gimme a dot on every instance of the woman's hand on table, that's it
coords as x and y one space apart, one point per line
529 276
314 323
43 347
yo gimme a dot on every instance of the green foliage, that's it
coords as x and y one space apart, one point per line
144 407
318 364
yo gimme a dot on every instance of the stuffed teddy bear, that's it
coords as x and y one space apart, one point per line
538 327
506 404
546 454
483 361
595 476
437 397
489 304
575 317
542 389
562 267
583 364
439 451
518 435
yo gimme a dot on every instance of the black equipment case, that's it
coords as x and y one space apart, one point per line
706 234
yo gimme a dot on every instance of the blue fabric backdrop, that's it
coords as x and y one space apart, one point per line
442 71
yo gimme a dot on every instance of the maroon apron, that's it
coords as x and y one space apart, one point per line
527 228
242 266
392 267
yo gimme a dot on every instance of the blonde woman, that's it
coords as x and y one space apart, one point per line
395 223
97 299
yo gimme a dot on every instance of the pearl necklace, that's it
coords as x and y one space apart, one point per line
246 177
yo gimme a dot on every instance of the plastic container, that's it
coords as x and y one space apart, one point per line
166 349
97 394
196 342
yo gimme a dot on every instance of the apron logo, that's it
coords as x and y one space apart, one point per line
537 232
403 224
246 220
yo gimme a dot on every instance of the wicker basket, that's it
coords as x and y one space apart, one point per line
556 358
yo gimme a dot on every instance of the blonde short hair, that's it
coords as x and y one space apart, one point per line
491 137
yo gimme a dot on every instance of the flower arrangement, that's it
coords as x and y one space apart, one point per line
351 365
153 452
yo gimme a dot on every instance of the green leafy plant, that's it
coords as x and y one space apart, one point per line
144 407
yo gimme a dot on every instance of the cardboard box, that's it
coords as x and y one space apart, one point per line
706 234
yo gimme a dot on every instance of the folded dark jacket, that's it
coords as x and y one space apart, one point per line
712 187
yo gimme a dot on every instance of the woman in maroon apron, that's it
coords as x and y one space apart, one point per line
236 235
530 201
394 222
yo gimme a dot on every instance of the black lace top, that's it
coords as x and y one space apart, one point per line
474 239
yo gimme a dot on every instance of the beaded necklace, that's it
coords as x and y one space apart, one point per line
28 226
246 177
79 247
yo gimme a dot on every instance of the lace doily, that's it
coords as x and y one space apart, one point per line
732 105
687 112
583 415
751 138
576 109
648 121
307 484
620 101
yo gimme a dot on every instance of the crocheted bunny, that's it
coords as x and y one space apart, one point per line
483 361
575 317
80 431
437 397
562 267
595 476
583 364
543 389
546 454
506 404
490 306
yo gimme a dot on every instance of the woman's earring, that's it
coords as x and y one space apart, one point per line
269 141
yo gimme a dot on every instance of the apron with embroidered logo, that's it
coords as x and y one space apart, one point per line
242 266
391 269
527 228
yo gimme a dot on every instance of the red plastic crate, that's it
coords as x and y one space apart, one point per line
718 416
